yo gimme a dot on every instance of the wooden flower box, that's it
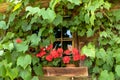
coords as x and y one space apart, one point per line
66 71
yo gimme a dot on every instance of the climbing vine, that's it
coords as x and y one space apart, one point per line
31 24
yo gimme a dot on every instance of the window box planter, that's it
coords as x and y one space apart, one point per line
66 71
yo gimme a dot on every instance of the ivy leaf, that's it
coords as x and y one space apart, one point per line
103 34
3 25
33 10
58 20
116 13
34 39
104 75
53 3
8 36
49 15
35 78
87 18
26 73
2 70
1 52
107 5
89 50
35 60
12 73
8 46
77 2
41 31
101 54
24 61
90 32
38 70
92 18
21 47
117 70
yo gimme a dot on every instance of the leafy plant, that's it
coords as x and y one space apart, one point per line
34 25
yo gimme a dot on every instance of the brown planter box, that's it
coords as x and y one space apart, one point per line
66 71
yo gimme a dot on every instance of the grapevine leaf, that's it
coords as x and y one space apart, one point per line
117 70
24 61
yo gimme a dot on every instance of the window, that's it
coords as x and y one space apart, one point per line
63 38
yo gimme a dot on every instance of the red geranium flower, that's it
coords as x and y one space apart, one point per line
40 54
67 52
49 58
66 59
82 57
76 57
18 40
49 47
60 51
42 49
54 53
75 51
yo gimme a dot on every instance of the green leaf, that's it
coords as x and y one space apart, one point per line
103 34
1 52
53 3
116 13
99 14
117 57
38 70
41 31
24 61
35 60
87 18
35 78
8 46
33 10
49 15
34 39
117 70
90 32
77 2
17 6
2 70
104 75
92 18
101 54
12 73
96 69
107 5
58 20
89 50
21 47
26 74
3 25
25 25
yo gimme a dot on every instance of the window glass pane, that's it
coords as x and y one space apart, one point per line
57 32
57 44
66 43
66 33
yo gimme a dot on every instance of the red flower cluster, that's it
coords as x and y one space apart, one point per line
49 53
68 56
72 55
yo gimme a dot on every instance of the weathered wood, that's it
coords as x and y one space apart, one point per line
66 71
63 78
3 7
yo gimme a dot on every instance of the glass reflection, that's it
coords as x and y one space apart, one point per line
65 33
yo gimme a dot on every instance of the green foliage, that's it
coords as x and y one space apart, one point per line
24 61
34 25
89 50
